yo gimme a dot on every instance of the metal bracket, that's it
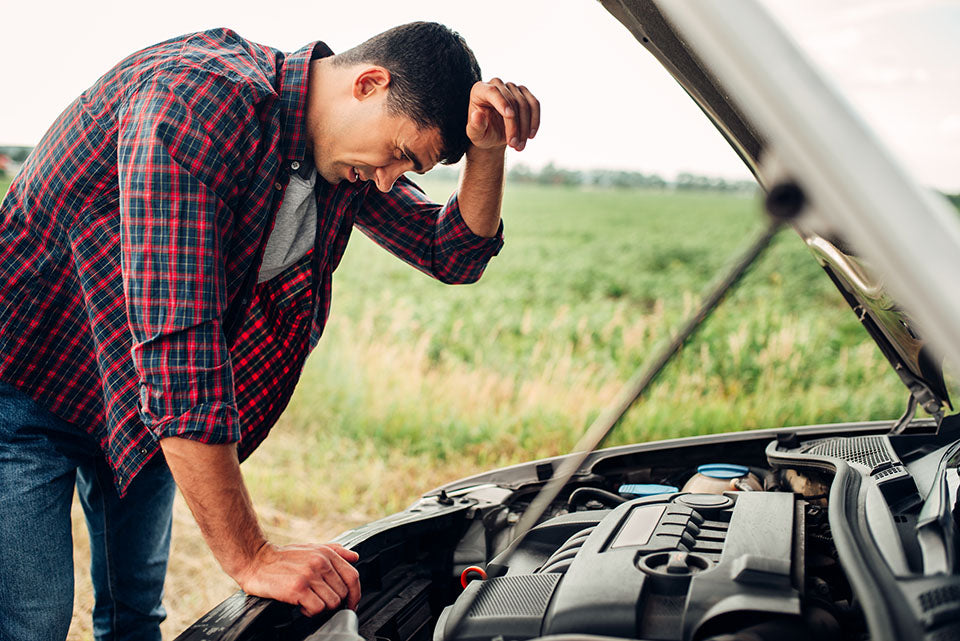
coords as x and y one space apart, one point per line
908 415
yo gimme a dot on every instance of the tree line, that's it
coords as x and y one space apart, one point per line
551 174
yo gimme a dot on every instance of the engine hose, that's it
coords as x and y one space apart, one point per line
583 494
767 478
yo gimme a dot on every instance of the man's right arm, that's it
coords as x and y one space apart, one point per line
174 176
316 577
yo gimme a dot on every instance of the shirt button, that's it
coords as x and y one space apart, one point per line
143 451
294 165
277 186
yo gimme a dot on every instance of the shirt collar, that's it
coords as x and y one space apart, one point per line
293 82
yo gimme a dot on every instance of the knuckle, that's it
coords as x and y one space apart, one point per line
321 565
331 599
300 585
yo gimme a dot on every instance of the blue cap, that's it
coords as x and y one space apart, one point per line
723 470
646 489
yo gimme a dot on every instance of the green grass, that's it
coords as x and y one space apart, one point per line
413 376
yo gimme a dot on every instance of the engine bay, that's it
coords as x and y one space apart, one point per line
677 565
645 569
827 536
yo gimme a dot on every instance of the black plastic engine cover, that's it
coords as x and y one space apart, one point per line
654 568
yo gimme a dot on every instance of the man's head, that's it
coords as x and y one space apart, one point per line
410 84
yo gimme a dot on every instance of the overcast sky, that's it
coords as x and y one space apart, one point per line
606 102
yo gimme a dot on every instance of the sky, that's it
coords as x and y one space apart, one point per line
606 103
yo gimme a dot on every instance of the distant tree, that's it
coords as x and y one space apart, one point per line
521 173
551 174
694 182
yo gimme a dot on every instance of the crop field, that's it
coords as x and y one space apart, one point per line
416 383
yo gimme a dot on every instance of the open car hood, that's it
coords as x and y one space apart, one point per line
792 191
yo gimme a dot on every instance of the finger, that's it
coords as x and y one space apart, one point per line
497 96
346 554
327 573
534 110
350 578
310 604
523 115
329 598
479 122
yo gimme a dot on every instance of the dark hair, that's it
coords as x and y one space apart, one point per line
432 71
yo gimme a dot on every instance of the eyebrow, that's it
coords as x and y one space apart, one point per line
417 167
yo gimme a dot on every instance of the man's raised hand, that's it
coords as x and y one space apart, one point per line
502 114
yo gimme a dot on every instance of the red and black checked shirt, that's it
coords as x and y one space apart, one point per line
131 240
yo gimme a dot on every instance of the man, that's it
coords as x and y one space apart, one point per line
167 253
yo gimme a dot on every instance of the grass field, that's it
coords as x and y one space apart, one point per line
416 383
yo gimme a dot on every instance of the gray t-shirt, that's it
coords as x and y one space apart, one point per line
295 229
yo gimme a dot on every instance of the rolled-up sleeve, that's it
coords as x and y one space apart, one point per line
174 175
433 238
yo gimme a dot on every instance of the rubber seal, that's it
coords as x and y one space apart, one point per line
473 569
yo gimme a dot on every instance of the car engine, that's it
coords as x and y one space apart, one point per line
657 568
577 573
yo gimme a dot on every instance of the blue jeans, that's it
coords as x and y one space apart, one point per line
41 460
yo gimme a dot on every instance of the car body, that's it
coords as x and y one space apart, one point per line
842 531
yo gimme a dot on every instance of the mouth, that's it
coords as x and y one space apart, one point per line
353 175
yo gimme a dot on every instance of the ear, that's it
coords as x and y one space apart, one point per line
369 81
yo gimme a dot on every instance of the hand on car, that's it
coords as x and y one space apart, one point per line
315 577
502 114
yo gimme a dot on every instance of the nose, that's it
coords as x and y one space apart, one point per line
386 176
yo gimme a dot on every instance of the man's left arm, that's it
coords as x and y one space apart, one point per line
453 243
500 115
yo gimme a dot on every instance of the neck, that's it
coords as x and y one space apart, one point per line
320 94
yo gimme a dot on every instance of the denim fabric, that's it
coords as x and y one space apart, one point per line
41 460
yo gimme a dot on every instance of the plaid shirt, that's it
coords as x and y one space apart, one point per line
131 240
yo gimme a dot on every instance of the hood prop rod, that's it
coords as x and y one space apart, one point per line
908 415
626 397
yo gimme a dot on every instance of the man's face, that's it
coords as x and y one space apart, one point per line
369 142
